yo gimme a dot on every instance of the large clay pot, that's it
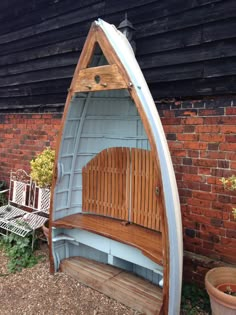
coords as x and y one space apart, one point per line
221 303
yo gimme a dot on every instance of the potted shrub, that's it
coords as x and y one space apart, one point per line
221 281
42 174
42 168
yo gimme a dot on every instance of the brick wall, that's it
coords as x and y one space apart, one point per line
202 139
23 136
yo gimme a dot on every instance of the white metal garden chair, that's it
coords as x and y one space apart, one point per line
27 207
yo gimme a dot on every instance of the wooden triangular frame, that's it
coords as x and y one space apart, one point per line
107 77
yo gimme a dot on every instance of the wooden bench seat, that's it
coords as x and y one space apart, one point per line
148 241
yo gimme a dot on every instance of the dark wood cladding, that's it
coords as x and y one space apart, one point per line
186 48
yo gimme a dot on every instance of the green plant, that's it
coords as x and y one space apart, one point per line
19 252
229 183
194 300
42 168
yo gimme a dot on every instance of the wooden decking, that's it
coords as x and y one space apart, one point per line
148 241
125 287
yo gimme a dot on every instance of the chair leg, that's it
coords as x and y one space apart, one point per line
33 239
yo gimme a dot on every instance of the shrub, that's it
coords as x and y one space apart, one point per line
19 252
42 168
230 184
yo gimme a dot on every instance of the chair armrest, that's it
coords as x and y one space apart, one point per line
3 191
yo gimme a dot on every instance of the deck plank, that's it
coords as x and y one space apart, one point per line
131 290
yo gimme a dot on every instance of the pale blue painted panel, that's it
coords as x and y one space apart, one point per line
68 146
82 160
123 264
75 209
67 163
60 201
97 145
133 255
76 197
63 183
71 128
112 107
87 252
77 180
90 239
111 94
76 108
121 128
147 274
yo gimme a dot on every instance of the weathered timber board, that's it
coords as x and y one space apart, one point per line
125 287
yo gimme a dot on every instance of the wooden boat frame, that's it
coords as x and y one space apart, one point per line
122 72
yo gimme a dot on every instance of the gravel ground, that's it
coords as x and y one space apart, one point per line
34 291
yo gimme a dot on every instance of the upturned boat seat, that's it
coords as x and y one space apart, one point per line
148 241
115 198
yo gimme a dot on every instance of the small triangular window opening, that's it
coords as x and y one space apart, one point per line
98 58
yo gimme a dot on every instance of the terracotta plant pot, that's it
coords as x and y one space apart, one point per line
221 303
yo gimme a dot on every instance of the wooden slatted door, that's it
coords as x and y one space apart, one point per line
121 183
145 204
106 184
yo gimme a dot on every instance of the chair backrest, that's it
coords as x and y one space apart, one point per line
20 188
25 193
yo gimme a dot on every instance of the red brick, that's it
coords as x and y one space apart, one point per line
228 241
229 129
173 128
204 171
203 195
231 111
213 213
230 138
205 187
231 233
195 145
205 162
173 145
207 129
187 169
227 146
171 121
192 153
199 202
187 137
230 225
178 152
230 156
219 120
192 121
213 230
212 137
208 253
200 219
208 245
193 178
